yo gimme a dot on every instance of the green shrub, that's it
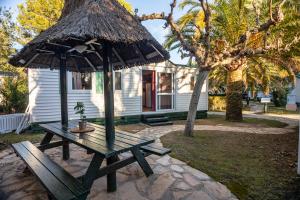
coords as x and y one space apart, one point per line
280 97
217 103
14 94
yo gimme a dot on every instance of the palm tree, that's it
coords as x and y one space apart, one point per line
232 18
259 74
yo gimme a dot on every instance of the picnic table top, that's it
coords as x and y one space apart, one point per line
95 141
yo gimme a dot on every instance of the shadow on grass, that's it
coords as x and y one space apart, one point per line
252 166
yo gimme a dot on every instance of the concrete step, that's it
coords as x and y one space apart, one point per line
156 119
161 123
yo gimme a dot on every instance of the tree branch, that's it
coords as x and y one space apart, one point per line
152 17
275 18
257 12
270 10
239 55
292 43
207 14
174 27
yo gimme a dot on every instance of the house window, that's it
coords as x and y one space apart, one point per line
192 83
118 81
81 81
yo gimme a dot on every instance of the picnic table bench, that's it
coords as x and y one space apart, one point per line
59 183
52 176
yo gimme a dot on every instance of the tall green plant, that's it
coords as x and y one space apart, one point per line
214 47
14 95
13 90
230 20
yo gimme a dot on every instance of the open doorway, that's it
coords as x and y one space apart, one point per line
149 90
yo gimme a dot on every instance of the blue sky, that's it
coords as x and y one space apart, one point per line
144 7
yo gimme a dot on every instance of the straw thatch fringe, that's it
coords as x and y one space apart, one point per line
84 20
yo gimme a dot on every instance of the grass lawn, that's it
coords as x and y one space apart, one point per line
10 138
274 110
248 122
260 167
280 110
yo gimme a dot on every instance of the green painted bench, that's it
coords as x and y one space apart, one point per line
59 183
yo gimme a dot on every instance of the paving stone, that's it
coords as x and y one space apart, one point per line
199 195
182 186
96 195
151 161
191 180
217 190
4 154
128 191
17 195
160 169
177 168
172 179
179 195
143 183
177 175
154 157
200 175
160 186
177 162
165 160
126 155
122 177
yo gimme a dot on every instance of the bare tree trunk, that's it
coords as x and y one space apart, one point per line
189 126
234 95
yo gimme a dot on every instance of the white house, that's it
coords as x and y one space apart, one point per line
297 89
293 98
155 89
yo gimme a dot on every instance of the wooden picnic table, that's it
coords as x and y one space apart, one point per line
95 142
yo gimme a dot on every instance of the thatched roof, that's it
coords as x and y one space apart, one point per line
90 22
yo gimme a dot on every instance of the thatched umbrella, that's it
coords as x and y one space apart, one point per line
92 35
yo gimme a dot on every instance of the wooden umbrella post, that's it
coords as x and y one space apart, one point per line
108 94
64 101
63 90
109 111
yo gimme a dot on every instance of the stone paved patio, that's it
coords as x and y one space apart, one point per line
172 179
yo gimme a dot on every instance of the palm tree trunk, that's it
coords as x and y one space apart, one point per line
189 126
234 95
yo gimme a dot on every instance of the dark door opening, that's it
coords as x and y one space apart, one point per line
149 90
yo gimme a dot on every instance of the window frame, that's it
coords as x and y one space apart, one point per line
70 84
121 81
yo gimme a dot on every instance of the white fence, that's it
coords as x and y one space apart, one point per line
9 123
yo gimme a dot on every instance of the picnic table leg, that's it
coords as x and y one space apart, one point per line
142 161
66 150
89 176
46 140
112 177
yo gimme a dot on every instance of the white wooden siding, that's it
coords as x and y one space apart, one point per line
184 92
44 95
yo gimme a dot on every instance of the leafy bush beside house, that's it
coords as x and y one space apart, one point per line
280 97
13 86
14 94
